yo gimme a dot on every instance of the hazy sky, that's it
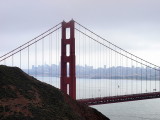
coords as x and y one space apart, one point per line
133 25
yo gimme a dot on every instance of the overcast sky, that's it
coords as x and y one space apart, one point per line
134 25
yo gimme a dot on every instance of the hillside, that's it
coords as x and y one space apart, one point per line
22 97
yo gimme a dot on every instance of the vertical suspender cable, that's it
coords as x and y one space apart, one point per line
35 59
106 74
57 58
159 78
122 78
90 68
58 64
146 79
20 57
132 68
115 79
136 77
100 70
28 58
43 59
141 76
126 74
111 72
155 79
85 63
120 74
49 60
78 69
84 67
51 75
150 78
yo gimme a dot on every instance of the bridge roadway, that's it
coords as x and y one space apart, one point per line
120 98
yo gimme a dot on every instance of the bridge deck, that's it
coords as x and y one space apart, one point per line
121 98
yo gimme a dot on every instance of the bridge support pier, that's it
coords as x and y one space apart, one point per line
68 77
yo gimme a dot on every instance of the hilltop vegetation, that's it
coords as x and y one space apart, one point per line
22 97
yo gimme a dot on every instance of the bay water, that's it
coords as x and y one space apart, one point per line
135 110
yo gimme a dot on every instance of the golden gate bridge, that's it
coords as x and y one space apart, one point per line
114 74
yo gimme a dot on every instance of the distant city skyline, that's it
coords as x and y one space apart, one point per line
114 72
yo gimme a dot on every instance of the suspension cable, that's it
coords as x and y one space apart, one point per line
117 51
31 40
115 45
30 44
